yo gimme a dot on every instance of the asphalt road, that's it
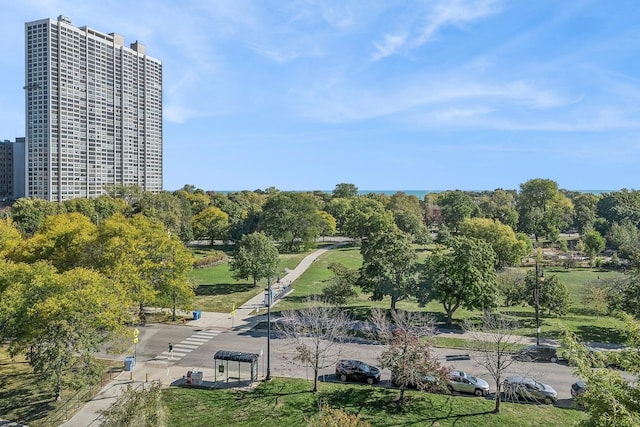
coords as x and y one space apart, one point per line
194 348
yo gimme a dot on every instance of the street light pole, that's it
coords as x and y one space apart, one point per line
268 302
536 297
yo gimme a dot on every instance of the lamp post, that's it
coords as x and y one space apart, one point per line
267 300
536 298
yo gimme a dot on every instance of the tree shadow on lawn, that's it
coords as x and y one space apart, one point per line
591 333
413 410
27 404
223 289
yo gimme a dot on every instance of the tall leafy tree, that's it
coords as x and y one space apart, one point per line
455 206
594 243
63 240
367 216
172 211
543 210
255 257
345 190
553 295
509 248
460 275
500 205
59 320
29 214
211 224
389 266
585 207
291 218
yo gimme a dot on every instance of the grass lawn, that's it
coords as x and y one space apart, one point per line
24 398
289 402
217 290
579 319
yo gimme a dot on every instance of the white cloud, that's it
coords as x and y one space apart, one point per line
388 46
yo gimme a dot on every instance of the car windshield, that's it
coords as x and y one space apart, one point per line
539 386
472 379
364 367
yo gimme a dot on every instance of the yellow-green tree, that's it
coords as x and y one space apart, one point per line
211 224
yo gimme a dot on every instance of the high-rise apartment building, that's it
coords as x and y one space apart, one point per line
12 174
93 112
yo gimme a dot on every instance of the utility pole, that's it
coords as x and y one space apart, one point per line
268 302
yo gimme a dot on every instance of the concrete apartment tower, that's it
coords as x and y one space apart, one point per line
93 112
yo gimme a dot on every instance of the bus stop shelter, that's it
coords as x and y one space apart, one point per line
236 365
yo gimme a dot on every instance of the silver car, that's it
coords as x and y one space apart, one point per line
516 388
464 383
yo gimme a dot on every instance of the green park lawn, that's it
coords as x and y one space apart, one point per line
289 402
218 291
221 291
25 399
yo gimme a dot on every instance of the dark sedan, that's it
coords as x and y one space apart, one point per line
355 370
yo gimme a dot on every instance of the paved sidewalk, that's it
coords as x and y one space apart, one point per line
168 374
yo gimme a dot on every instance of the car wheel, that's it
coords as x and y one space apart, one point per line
450 388
553 359
343 377
548 401
478 392
369 381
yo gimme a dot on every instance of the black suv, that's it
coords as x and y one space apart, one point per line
356 370
535 353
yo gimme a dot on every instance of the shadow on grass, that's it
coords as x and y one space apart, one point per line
422 411
597 334
223 289
25 404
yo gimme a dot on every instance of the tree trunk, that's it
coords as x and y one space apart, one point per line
449 317
394 300
496 410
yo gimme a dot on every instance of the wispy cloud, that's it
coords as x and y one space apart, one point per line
421 27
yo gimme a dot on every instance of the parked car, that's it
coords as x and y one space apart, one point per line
464 383
355 370
578 388
428 382
537 352
516 388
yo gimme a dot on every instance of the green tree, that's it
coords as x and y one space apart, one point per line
407 213
29 214
512 287
542 209
172 211
366 217
291 218
63 240
59 320
255 257
339 209
620 206
553 295
139 254
10 237
461 275
594 243
500 206
585 207
327 224
344 190
455 206
389 266
610 399
211 224
625 237
505 243
341 284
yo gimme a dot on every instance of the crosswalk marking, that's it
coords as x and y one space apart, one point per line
187 345
195 340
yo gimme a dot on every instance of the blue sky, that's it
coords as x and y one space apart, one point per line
384 94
